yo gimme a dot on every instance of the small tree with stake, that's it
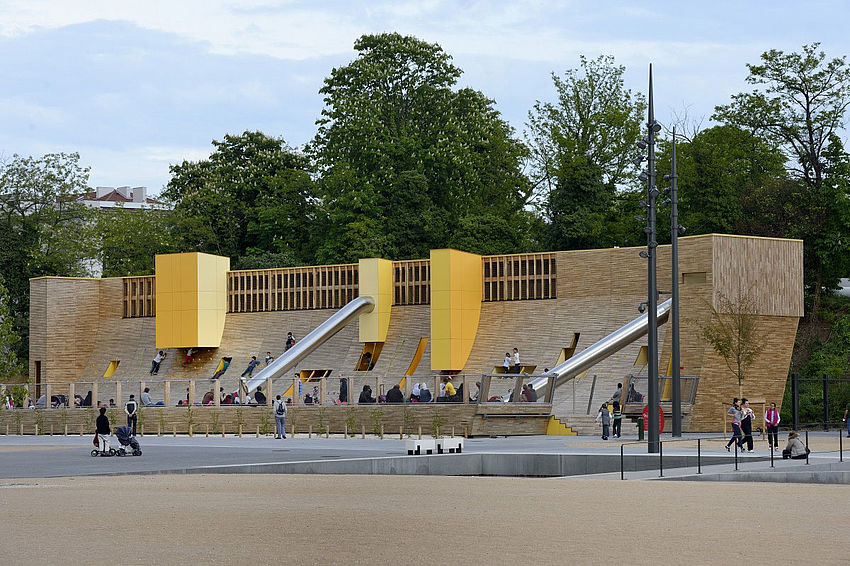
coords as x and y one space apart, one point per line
732 332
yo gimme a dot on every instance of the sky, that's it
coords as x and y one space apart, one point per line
135 86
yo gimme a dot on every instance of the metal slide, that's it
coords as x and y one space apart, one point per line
336 322
600 350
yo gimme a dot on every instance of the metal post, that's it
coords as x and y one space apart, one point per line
840 445
660 459
736 456
771 455
807 448
825 402
674 311
652 290
699 457
795 400
590 399
622 473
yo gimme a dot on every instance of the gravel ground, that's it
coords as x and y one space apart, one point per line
262 519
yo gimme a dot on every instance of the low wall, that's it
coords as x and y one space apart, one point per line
466 420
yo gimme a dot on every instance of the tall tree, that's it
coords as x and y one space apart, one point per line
582 147
130 239
720 170
9 339
252 196
800 103
44 229
407 163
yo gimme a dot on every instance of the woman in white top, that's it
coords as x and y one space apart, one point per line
516 360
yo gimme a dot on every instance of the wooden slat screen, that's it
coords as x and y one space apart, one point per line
292 288
412 282
519 277
139 296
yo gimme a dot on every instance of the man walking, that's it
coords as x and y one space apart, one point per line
132 410
279 417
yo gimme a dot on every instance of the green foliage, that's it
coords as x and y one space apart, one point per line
407 163
265 424
251 197
733 333
10 369
582 147
322 418
800 105
725 176
130 239
350 421
437 421
377 416
44 229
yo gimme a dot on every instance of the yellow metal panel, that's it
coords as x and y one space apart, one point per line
110 370
191 296
455 307
376 281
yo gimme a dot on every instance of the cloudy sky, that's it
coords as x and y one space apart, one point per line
134 86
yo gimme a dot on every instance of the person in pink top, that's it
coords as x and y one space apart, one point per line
771 421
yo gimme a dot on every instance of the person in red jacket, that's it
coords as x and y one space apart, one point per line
771 421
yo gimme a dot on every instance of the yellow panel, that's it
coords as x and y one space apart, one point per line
110 370
191 296
375 278
455 307
417 357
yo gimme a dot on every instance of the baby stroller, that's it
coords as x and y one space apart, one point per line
125 438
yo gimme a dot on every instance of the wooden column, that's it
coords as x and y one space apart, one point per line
217 396
269 397
192 393
465 389
95 402
117 393
435 394
71 395
48 389
296 398
141 390
166 393
323 390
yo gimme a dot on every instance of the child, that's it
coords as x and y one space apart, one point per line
605 417
618 420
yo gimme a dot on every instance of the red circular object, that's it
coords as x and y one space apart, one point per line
645 415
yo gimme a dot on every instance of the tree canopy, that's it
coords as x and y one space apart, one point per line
582 147
407 163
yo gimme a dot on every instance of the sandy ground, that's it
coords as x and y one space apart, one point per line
262 519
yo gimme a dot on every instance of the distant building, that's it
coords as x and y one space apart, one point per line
124 197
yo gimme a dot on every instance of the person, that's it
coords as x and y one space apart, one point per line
395 395
795 449
366 396
146 397
516 360
604 417
525 395
269 358
844 418
279 408
190 357
618 420
735 412
87 400
617 394
532 393
474 397
367 361
316 399
290 340
209 398
41 401
771 422
450 389
414 393
103 431
156 362
259 396
132 410
632 396
111 402
424 393
507 363
747 417
343 391
225 363
251 365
